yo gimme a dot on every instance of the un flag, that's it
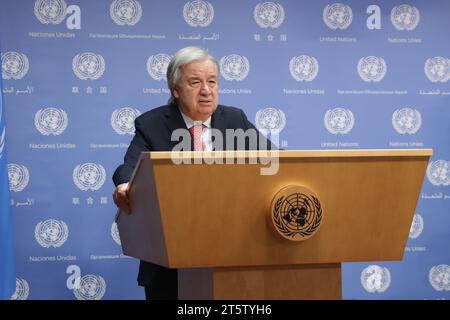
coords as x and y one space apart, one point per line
7 265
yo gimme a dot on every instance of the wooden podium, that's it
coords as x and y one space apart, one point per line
210 220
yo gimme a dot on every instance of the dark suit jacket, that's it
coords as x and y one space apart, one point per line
153 133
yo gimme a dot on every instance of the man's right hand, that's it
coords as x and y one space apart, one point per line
120 197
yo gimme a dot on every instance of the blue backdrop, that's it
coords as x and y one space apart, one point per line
356 74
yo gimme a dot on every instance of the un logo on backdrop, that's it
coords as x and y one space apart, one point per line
437 69
372 68
125 12
406 121
22 290
416 227
234 67
439 277
122 120
89 176
157 66
198 13
14 65
92 287
18 177
269 15
438 172
337 15
375 278
50 11
88 65
51 121
270 120
339 121
304 68
405 17
51 233
115 233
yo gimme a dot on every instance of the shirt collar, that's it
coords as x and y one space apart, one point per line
189 122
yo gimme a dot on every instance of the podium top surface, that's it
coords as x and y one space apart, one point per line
296 153
367 198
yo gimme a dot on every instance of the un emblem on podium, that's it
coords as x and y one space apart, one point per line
295 213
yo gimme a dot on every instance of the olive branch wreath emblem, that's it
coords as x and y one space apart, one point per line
305 233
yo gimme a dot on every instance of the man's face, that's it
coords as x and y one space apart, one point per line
197 91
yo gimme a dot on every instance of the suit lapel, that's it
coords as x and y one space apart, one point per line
218 122
173 119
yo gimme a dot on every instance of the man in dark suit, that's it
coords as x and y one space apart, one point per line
192 76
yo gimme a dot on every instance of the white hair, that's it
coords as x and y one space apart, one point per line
182 58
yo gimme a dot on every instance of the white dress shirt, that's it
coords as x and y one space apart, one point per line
206 136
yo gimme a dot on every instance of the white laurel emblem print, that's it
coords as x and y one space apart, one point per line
198 13
51 121
22 290
51 233
88 65
269 15
157 66
15 65
89 176
439 277
92 287
115 233
337 16
416 227
438 173
270 120
406 120
372 69
50 11
339 121
122 120
2 140
304 68
18 177
234 67
405 17
125 12
375 279
437 69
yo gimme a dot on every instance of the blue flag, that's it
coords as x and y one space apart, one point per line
7 263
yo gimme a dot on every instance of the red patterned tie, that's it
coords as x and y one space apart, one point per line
196 134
